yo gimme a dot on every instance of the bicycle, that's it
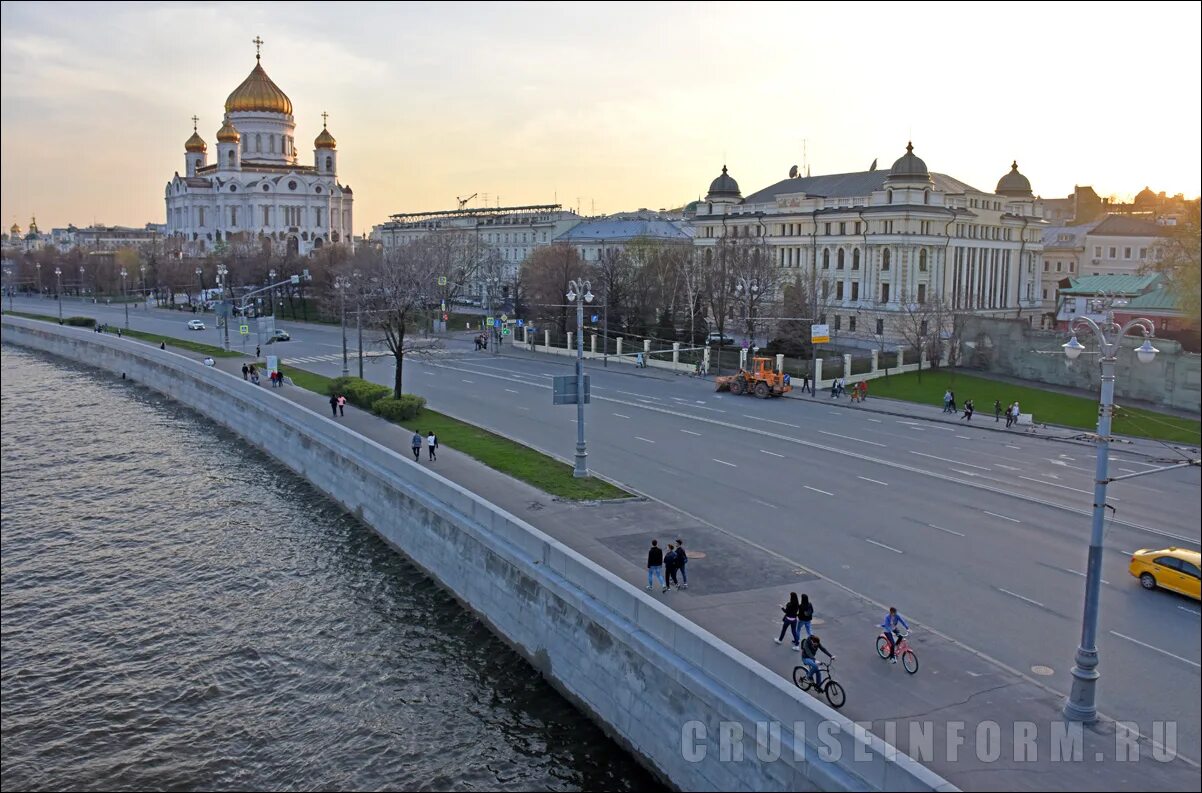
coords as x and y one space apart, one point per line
834 692
902 650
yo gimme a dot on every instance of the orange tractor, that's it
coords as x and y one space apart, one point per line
763 381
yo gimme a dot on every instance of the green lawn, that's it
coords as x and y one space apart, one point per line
42 317
154 338
1047 406
499 453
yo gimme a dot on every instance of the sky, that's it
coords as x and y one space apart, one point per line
602 106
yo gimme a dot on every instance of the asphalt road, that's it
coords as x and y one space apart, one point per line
981 536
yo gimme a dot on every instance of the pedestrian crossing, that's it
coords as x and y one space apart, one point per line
337 356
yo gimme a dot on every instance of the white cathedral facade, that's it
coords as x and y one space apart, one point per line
255 193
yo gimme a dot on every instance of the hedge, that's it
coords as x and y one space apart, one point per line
360 393
402 409
80 322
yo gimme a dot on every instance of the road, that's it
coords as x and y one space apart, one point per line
979 535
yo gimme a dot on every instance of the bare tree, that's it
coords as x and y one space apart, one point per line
546 274
929 327
1179 259
396 290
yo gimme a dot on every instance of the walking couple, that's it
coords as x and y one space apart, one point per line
797 615
431 444
675 561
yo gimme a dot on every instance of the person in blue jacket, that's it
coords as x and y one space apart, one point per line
892 620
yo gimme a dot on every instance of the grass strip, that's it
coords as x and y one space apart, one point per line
1048 407
154 338
497 452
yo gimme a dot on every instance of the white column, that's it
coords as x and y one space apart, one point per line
846 365
618 351
874 360
817 373
675 351
547 339
780 361
593 343
901 355
570 345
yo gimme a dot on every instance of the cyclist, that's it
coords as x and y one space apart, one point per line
810 647
892 634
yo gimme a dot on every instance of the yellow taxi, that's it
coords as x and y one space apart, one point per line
1175 569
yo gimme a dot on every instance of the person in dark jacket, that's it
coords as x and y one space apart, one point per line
655 564
671 565
417 447
245 372
334 404
682 561
805 614
789 621
809 656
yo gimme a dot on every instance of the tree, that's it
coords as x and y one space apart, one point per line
1177 259
396 288
546 275
927 327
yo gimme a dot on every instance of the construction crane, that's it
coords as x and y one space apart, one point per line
463 201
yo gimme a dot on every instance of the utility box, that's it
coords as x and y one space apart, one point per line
565 390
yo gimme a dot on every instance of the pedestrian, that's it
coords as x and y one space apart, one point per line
682 561
334 404
805 383
947 401
254 378
670 565
863 390
256 351
805 614
245 372
789 621
951 405
477 342
341 404
834 387
655 565
997 411
432 445
417 446
162 345
1016 412
968 408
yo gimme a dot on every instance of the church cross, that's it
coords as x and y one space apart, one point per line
324 117
195 121
258 42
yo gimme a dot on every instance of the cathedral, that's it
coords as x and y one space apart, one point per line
255 193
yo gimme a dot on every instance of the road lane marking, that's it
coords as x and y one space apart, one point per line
510 390
877 421
772 421
1070 459
850 438
774 454
1074 572
468 381
703 407
965 437
946 460
874 481
816 490
949 531
882 545
1063 487
1020 597
1008 467
690 432
621 416
1191 611
644 440
1129 470
765 503
835 412
732 465
914 423
1008 446
920 429
1194 664
1003 517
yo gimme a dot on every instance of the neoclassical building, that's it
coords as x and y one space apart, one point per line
875 241
256 192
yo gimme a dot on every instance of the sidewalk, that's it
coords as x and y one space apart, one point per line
736 589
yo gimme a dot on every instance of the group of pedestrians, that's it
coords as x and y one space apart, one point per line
797 615
675 562
431 441
251 373
859 391
338 404
1011 411
481 341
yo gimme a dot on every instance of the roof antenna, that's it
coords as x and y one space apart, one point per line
805 155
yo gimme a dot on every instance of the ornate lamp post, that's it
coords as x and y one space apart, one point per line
580 292
226 308
1080 705
749 287
38 266
125 295
341 283
82 272
142 269
271 280
58 275
8 276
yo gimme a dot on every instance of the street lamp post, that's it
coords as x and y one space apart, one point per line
81 282
125 295
341 283
38 266
8 277
227 308
142 269
580 292
1081 705
271 279
58 275
749 287
359 317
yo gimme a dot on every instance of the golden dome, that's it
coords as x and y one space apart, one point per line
258 94
15 229
325 140
196 144
227 133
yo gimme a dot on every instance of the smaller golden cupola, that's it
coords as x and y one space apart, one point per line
227 133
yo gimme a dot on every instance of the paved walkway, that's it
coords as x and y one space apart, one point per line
736 589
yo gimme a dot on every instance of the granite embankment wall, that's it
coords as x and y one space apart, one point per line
661 686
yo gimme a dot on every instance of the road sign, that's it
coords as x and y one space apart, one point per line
442 280
504 331
521 323
488 320
442 306
445 316
565 390
496 323
504 317
594 319
244 330
820 334
294 279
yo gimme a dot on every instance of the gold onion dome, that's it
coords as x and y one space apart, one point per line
325 140
258 94
227 133
196 143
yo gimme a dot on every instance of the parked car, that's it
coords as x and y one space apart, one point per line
195 324
1175 569
718 338
278 335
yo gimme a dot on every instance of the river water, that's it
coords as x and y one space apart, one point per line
180 612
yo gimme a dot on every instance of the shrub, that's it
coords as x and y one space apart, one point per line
80 322
402 409
359 393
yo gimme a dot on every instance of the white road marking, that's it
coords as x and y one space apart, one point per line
467 381
915 423
966 473
972 674
772 421
1008 467
946 429
1074 572
949 531
1020 597
877 421
644 440
1065 487
946 460
716 410
1070 459
690 432
850 438
920 429
522 408
621 416
510 390
1129 470
1194 664
874 481
835 412
1003 517
774 454
629 393
765 503
1051 476
732 465
1008 446
882 545
965 437
1191 611
1134 462
816 490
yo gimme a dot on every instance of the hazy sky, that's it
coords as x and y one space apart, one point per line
623 104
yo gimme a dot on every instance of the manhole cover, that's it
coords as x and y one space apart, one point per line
695 554
1043 671
817 621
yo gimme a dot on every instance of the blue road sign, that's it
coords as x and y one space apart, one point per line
496 323
594 318
521 323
